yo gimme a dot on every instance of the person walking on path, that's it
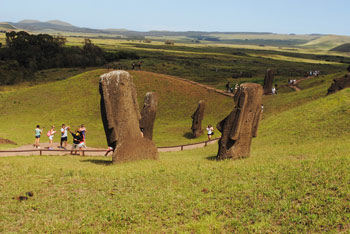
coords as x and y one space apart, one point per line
51 134
210 130
64 137
38 132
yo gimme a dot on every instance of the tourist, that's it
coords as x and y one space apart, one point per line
51 134
109 149
139 64
273 91
38 132
83 131
64 137
227 87
210 130
78 141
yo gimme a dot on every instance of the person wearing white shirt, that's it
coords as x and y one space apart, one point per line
64 136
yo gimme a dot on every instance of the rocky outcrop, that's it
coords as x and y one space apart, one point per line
148 114
121 116
197 119
242 123
339 84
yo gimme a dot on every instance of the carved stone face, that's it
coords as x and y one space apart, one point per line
121 116
241 124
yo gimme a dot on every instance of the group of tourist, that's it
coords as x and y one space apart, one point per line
292 82
314 73
134 65
79 137
232 89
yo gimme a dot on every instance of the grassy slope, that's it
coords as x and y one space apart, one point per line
76 100
296 181
327 42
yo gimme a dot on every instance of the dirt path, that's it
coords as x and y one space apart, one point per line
219 91
295 87
29 150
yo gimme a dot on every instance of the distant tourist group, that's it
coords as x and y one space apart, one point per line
232 89
79 137
313 73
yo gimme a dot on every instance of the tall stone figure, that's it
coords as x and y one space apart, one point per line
121 116
242 123
268 81
148 114
197 118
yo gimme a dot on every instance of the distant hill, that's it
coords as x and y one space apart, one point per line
342 48
58 22
55 25
327 42
28 21
7 26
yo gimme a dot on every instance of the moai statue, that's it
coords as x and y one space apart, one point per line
242 123
268 81
121 116
197 118
148 115
339 84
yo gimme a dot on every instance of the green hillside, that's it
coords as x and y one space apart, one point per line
342 48
76 100
327 42
296 180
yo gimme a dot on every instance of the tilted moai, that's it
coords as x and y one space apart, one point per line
121 116
197 118
268 81
148 114
242 123
339 84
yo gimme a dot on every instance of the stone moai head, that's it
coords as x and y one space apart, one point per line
197 118
339 84
242 123
121 116
268 81
148 114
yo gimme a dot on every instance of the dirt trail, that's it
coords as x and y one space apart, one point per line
295 86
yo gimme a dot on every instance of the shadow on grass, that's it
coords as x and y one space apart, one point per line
98 161
212 158
189 135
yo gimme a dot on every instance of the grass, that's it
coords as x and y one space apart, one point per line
296 181
76 100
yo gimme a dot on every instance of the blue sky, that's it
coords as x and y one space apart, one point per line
279 16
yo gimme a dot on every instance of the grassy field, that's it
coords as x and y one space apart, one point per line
76 100
296 181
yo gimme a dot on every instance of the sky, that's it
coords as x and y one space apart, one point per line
277 16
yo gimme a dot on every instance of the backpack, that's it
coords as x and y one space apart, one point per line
48 133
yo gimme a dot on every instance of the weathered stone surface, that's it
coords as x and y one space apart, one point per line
121 116
339 84
268 81
197 118
148 114
242 123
